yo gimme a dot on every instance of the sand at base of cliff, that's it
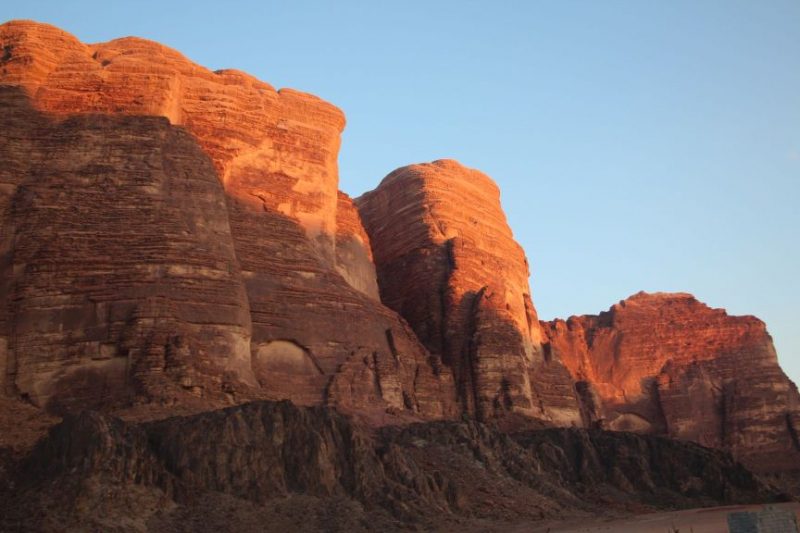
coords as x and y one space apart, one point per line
708 520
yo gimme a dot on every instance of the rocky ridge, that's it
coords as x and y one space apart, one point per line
264 461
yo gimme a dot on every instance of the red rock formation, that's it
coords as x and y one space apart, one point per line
353 249
207 241
668 364
276 148
118 266
173 234
448 263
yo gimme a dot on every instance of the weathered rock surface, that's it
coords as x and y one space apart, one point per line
118 268
146 258
273 148
448 263
353 250
667 364
267 466
172 240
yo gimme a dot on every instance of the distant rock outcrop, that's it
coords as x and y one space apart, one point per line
448 263
192 256
667 364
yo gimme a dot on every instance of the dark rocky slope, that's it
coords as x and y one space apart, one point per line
276 467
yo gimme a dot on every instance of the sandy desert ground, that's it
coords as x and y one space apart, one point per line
709 520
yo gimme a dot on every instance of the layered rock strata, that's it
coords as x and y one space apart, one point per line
667 364
118 264
272 148
136 246
448 263
174 235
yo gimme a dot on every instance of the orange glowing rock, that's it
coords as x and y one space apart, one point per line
170 234
670 365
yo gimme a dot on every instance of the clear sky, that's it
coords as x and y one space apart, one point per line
639 145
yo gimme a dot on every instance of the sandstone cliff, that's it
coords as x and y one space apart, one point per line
192 256
667 364
448 263
276 148
118 267
174 237
353 249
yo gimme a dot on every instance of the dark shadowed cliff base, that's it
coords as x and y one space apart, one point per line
268 466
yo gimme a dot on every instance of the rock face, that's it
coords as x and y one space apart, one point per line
273 148
94 472
667 364
192 255
448 263
172 240
173 237
353 249
118 266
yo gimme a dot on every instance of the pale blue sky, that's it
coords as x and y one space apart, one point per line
639 145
